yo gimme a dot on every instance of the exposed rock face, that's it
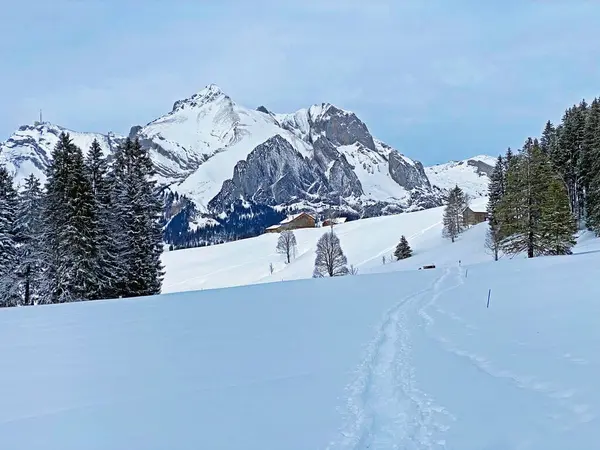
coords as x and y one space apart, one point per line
273 174
482 168
221 155
341 127
405 174
342 178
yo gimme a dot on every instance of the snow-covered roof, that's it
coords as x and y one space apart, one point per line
476 210
337 220
293 217
273 227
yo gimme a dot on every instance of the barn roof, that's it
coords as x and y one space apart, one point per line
293 217
483 211
273 227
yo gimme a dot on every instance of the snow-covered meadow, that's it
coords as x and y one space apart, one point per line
365 243
401 359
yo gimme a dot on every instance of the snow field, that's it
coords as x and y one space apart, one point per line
405 359
364 242
255 367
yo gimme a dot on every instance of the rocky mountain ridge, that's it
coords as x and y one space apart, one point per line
213 155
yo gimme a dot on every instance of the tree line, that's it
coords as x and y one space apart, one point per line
93 231
542 194
529 209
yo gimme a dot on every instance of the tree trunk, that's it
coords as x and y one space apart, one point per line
27 291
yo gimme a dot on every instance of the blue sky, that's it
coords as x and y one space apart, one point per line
437 79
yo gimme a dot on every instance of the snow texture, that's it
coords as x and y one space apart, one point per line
471 175
29 149
409 359
196 146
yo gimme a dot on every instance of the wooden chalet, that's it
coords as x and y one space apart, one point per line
472 217
301 220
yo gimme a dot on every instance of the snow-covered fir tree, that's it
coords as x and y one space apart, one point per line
330 260
9 284
96 168
30 252
496 190
456 203
71 228
137 206
403 250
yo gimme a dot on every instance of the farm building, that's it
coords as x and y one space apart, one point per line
472 217
334 221
301 220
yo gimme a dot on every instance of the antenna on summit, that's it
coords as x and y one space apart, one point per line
41 121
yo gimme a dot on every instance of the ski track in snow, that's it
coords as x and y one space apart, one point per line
577 411
385 409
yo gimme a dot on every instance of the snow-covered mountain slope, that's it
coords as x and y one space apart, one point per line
471 175
410 359
216 152
201 140
29 149
365 243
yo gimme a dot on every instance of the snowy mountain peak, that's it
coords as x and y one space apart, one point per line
217 152
471 174
324 110
209 94
29 149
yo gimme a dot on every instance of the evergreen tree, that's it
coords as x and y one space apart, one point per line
497 185
589 152
30 254
150 207
549 139
496 191
520 211
137 206
454 224
508 159
71 227
557 223
568 152
403 250
96 168
590 166
330 259
9 286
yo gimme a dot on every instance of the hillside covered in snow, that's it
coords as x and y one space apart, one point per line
394 357
365 243
234 168
471 175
